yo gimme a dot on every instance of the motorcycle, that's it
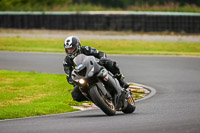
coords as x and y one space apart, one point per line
100 86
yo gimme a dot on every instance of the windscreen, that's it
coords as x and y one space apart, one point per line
79 59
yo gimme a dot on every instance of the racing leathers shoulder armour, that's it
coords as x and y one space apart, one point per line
69 65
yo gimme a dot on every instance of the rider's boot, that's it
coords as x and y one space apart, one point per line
121 80
122 96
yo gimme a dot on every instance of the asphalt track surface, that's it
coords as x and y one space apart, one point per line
175 108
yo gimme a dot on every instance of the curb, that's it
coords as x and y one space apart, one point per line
152 92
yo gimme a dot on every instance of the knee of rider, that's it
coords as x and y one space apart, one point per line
74 95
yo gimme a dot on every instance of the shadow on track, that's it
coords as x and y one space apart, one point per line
99 115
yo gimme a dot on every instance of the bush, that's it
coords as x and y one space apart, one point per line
29 5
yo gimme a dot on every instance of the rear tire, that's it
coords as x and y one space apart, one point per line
101 101
130 107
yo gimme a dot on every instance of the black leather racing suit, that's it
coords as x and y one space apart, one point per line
69 65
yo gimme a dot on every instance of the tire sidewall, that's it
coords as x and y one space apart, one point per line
98 100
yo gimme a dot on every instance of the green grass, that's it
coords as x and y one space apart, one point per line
24 94
108 46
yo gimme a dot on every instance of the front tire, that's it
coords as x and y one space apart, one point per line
101 101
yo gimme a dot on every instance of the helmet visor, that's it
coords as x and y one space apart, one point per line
70 50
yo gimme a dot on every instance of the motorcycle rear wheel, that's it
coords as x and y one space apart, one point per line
101 101
130 107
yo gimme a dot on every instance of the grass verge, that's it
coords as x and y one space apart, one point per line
24 94
108 46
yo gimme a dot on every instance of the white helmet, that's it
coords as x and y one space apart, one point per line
72 46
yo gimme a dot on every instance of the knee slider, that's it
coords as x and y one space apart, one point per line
74 95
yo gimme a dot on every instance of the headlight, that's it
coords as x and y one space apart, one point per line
81 81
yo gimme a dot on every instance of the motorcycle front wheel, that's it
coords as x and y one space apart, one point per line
105 104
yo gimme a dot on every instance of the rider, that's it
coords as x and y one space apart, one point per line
73 47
